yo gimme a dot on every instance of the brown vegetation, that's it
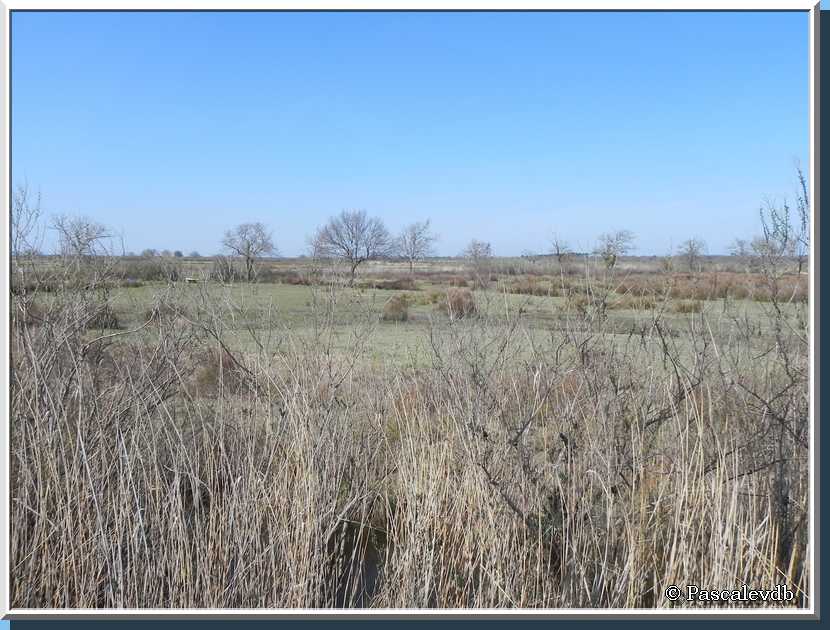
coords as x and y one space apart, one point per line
458 303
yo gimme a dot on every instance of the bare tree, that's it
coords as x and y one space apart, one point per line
802 227
692 251
479 255
615 244
531 256
81 238
777 242
416 242
249 241
88 249
25 236
353 237
149 253
559 247
741 250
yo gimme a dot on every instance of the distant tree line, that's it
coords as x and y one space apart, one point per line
353 238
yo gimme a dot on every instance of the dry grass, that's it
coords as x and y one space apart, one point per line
169 470
687 307
457 303
396 308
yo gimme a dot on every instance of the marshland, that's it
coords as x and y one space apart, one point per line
541 431
409 309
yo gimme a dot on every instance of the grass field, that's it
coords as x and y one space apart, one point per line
543 437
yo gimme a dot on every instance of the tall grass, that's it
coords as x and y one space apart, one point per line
587 470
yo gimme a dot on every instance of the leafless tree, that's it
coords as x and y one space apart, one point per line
615 244
777 242
741 250
149 252
354 238
479 255
559 247
416 242
25 236
81 238
89 250
692 251
249 241
802 228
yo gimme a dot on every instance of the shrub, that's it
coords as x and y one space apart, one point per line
163 312
152 269
223 269
633 303
457 281
397 284
215 368
396 309
532 286
44 286
26 312
103 318
290 276
458 303
684 306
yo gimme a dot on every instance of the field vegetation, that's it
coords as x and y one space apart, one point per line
548 432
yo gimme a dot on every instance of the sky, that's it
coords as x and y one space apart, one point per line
505 127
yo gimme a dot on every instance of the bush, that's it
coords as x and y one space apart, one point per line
458 303
216 368
223 269
457 281
287 276
152 269
532 286
398 284
633 303
103 318
695 306
396 309
163 312
26 312
44 286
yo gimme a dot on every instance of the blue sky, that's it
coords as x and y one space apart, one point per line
173 127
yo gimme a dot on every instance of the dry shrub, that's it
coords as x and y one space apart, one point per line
215 371
164 312
103 318
40 286
686 306
433 296
291 276
395 284
27 313
532 285
715 285
633 303
458 303
457 281
579 300
396 309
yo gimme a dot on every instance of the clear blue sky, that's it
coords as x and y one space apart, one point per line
172 127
